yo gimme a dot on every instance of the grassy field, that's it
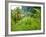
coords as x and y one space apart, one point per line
25 23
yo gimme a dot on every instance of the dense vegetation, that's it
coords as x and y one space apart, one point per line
26 18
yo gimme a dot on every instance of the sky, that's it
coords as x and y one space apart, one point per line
14 7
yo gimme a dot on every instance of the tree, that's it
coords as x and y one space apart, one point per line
36 12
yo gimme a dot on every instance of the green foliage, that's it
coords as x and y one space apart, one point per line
30 20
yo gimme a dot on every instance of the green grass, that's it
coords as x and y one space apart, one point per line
26 19
26 23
